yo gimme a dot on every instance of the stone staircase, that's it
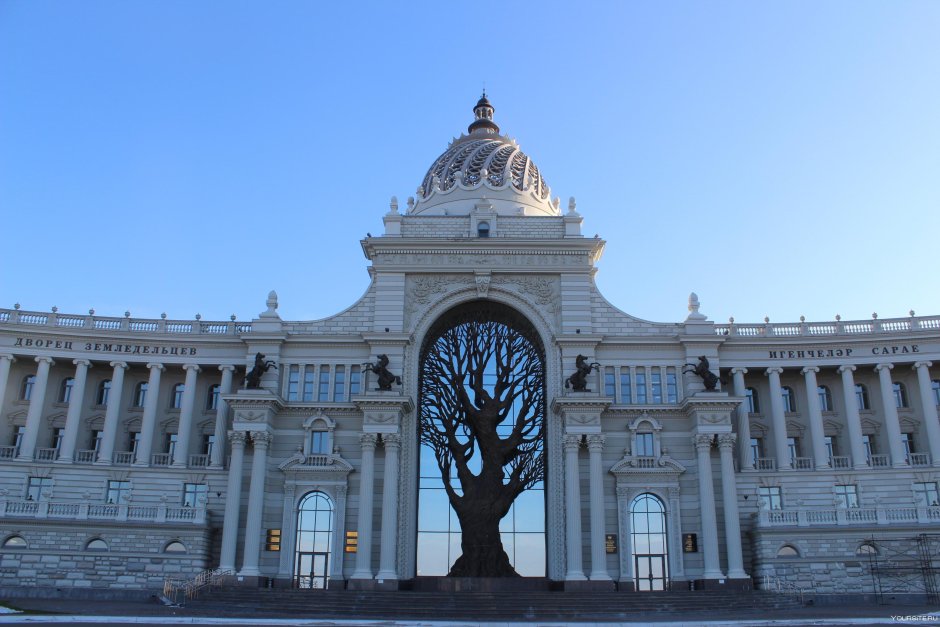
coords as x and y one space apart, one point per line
485 606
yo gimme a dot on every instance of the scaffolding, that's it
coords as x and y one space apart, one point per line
905 566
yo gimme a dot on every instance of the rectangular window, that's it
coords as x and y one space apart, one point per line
847 495
609 382
830 446
793 447
869 445
171 440
212 400
861 396
134 442
96 437
293 383
644 445
39 489
926 495
355 378
18 437
657 384
641 386
339 385
57 438
626 391
318 442
756 449
119 493
907 440
323 394
194 494
208 443
672 386
769 497
310 379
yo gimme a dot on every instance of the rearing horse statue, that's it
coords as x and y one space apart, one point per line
385 378
253 378
578 380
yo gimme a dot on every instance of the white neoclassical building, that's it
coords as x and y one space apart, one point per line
131 451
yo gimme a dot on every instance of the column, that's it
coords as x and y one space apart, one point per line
729 501
6 360
260 440
221 418
890 409
575 572
598 555
853 420
778 419
185 429
389 548
74 415
37 399
339 538
232 501
366 488
929 406
148 423
816 432
112 414
706 497
745 454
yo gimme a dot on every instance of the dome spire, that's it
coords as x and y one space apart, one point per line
483 114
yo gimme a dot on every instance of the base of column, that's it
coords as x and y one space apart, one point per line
575 576
63 460
729 584
900 465
355 583
386 575
248 572
383 583
860 467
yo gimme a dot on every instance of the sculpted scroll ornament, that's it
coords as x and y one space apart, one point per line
249 416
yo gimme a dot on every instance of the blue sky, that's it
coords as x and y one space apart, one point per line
779 159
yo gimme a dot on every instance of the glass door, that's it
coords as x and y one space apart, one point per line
312 570
650 572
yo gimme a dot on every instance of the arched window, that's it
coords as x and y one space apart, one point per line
212 398
26 390
787 550
900 395
174 546
866 549
861 396
177 400
104 390
96 544
15 542
648 542
65 392
753 401
314 541
140 394
825 398
789 399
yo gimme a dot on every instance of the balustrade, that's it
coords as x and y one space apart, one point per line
86 456
200 460
161 459
848 516
879 461
101 511
803 463
8 452
105 323
919 459
840 461
766 463
123 458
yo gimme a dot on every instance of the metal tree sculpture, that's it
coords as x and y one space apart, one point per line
482 409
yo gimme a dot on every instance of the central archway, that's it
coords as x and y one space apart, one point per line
481 417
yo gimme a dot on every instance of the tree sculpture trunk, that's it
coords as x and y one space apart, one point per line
482 408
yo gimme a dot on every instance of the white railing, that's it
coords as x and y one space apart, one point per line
847 516
173 589
86 456
837 327
46 454
199 461
161 459
102 511
124 458
840 461
8 452
879 461
803 463
105 323
766 463
920 459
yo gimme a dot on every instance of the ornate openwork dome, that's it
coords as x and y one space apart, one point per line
484 165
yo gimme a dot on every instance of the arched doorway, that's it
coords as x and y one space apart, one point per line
481 498
314 540
648 542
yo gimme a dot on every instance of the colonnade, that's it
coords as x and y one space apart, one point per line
856 445
114 412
